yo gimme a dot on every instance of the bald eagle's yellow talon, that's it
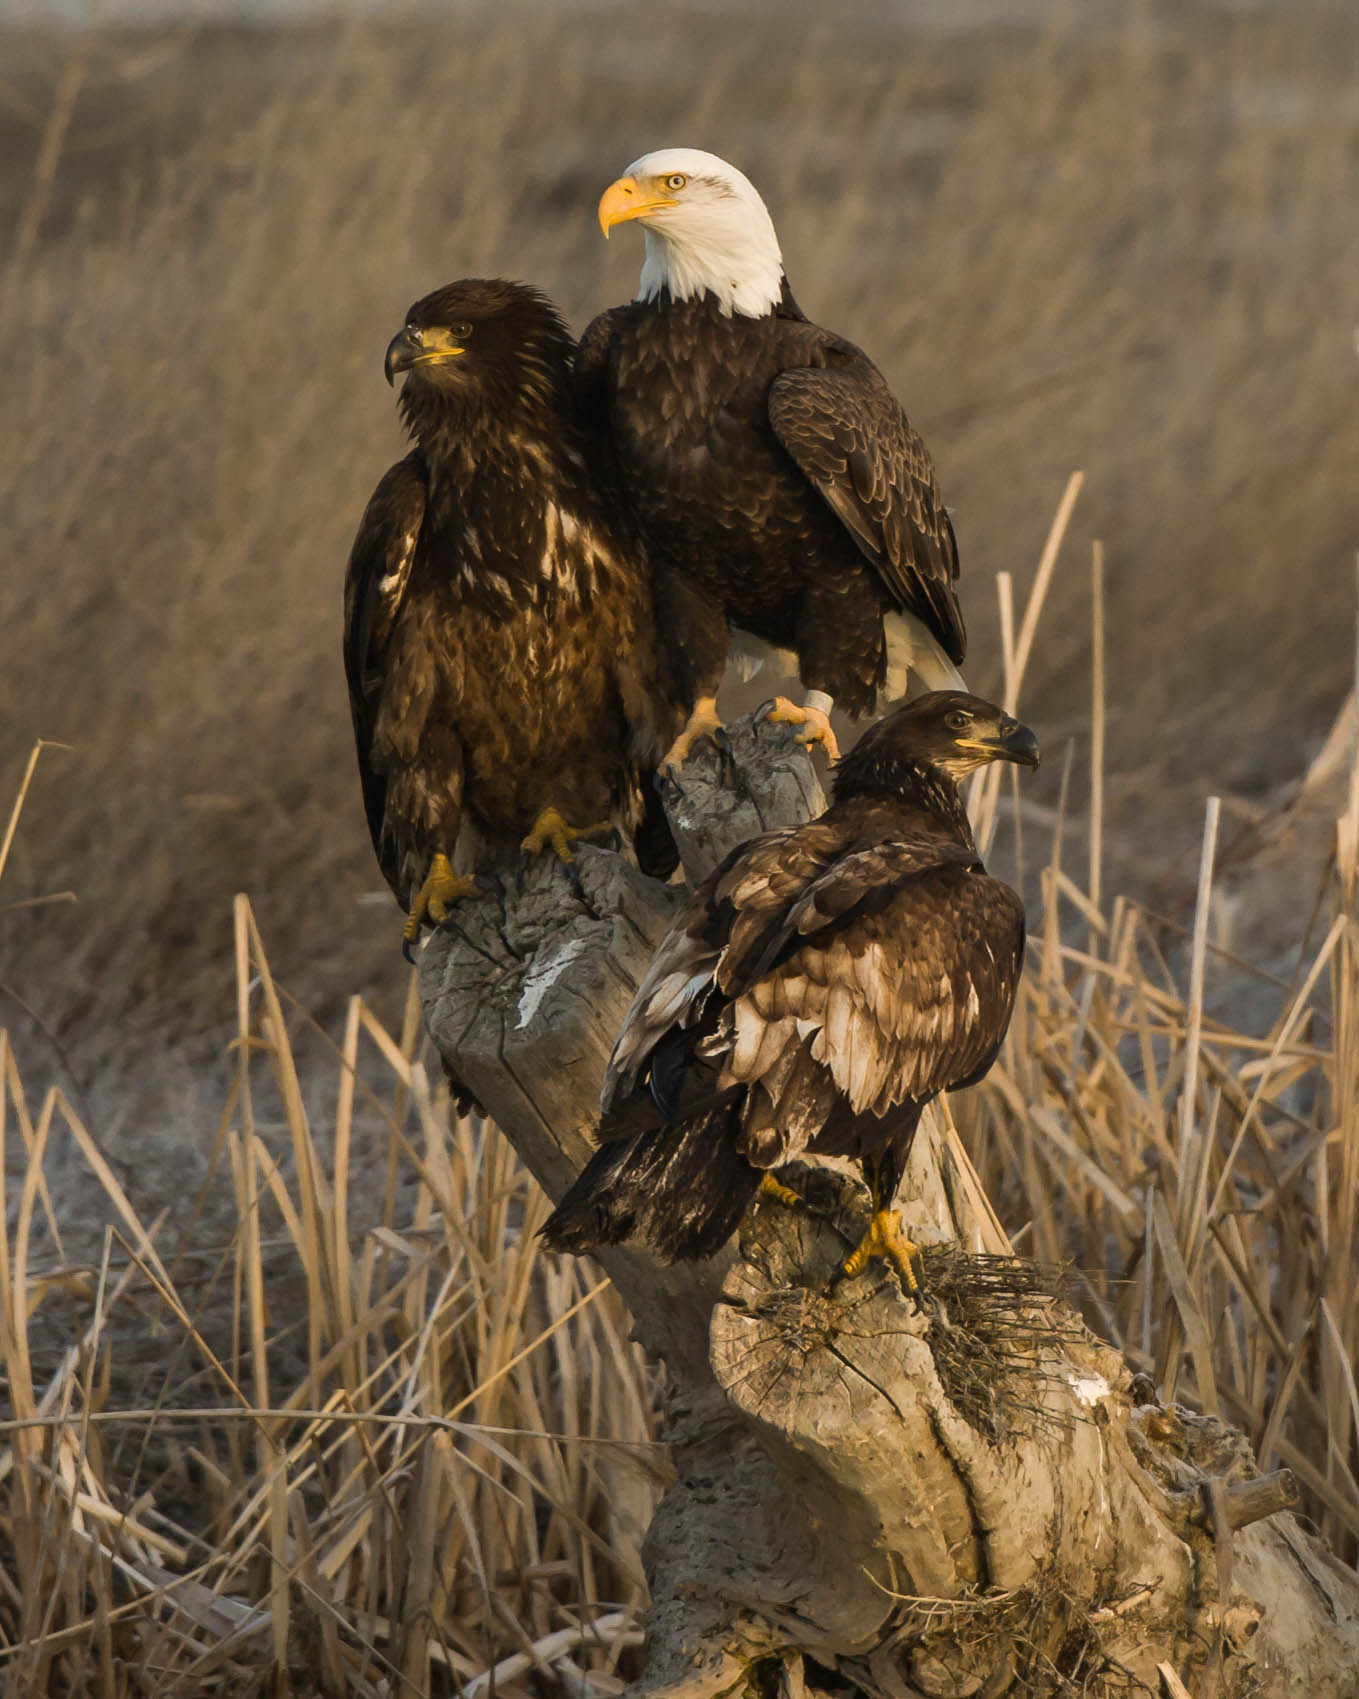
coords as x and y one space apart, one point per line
703 722
775 1189
550 830
441 889
886 1241
815 723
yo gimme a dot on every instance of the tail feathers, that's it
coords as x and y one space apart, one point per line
679 1190
916 661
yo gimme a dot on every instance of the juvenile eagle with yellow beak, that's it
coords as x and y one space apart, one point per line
507 680
817 990
782 491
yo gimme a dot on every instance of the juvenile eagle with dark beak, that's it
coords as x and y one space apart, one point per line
507 682
816 992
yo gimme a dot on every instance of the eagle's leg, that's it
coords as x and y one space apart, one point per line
886 1241
550 830
813 716
441 889
702 722
886 1238
771 1187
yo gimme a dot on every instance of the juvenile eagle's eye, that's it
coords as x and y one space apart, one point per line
676 180
461 331
957 720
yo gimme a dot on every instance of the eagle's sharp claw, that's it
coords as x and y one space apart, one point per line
814 722
550 830
885 1241
702 723
433 902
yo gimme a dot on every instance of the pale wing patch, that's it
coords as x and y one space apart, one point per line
760 1045
392 585
551 532
750 1031
674 994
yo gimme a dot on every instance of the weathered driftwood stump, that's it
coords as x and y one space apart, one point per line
973 1500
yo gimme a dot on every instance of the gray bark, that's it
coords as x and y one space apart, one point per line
969 1500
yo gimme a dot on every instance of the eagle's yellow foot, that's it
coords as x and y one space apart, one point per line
703 722
550 830
441 889
815 723
772 1188
886 1240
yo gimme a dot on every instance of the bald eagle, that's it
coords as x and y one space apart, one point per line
505 674
817 991
768 463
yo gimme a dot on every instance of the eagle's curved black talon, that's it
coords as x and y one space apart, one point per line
728 772
408 949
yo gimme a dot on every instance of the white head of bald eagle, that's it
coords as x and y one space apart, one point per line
706 230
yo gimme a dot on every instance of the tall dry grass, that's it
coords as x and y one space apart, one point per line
1072 235
382 1445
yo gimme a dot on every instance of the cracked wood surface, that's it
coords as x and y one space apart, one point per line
842 1493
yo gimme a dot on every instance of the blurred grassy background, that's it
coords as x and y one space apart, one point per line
1105 236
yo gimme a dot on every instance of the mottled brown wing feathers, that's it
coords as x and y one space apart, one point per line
867 877
849 436
753 901
902 1002
375 585
593 354
891 962
729 916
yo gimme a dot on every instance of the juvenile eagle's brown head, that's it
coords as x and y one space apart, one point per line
946 732
482 343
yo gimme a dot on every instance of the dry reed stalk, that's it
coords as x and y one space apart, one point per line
424 1485
351 1513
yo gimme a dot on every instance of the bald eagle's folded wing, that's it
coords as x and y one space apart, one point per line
851 439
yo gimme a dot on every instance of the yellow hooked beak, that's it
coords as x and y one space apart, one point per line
625 199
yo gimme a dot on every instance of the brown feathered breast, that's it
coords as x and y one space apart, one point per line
500 643
768 461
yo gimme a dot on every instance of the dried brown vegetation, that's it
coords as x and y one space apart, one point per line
1106 241
385 1448
1072 236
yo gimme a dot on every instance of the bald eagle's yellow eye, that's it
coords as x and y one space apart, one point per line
676 181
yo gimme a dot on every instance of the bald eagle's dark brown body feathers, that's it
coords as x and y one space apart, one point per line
770 466
818 990
499 645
